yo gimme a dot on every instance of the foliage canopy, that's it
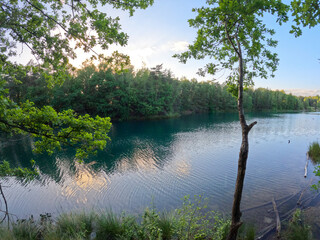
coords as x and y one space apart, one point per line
306 13
52 30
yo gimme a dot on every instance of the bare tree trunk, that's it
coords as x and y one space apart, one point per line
243 155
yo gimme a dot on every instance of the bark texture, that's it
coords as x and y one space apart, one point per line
243 154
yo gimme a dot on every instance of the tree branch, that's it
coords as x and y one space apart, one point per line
24 42
33 131
229 38
234 24
251 125
60 25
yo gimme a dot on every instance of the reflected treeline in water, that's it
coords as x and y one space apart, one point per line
12 148
135 146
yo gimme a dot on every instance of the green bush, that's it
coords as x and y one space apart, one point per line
194 222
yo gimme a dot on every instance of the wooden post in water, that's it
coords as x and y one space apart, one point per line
306 167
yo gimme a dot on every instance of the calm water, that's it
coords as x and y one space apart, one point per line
162 161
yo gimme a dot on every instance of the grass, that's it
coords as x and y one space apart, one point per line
191 221
297 230
247 232
110 226
73 226
314 152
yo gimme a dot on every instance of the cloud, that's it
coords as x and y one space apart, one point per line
179 46
303 92
149 53
142 53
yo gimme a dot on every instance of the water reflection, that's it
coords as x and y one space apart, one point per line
182 168
78 182
162 161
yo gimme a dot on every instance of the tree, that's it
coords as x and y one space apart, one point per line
232 32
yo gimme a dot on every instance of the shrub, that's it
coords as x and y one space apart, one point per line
194 222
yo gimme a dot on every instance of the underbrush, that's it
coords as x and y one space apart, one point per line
191 221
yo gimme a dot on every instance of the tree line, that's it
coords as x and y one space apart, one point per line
115 90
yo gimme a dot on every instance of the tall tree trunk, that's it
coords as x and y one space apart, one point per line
243 155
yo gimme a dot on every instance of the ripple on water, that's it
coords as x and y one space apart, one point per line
162 161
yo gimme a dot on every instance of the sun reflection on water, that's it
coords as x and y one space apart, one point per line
141 160
79 179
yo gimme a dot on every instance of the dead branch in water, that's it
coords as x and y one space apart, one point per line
308 186
302 203
278 222
285 200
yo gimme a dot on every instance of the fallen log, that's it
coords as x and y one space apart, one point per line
306 202
308 186
285 200
264 232
278 222
285 217
255 207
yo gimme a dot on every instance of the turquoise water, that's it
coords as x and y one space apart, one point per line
159 162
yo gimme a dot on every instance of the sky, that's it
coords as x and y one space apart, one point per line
162 30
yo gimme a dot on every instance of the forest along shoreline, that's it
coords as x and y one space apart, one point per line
148 94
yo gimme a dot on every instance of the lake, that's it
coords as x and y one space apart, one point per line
159 162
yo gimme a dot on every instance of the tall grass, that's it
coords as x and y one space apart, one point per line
314 152
72 226
191 221
110 226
